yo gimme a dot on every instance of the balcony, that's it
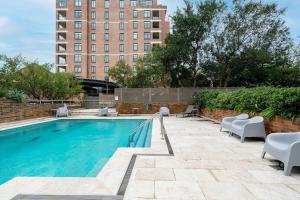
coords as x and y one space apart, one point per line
155 15
62 48
62 37
61 16
62 60
61 3
62 27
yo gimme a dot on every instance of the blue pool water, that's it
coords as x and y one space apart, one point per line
65 148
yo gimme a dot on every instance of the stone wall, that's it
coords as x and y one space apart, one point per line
277 124
141 108
13 111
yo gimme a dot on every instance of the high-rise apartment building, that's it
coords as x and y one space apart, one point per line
93 35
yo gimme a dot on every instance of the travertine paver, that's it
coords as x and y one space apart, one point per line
210 165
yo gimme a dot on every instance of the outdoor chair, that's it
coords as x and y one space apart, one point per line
62 111
285 147
253 127
188 112
164 111
227 121
103 111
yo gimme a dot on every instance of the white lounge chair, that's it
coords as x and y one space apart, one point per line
253 127
188 112
164 111
62 111
284 147
227 121
103 111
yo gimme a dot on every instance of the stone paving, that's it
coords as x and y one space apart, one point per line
209 165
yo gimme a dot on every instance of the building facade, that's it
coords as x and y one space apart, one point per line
93 35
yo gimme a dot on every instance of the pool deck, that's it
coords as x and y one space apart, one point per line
206 165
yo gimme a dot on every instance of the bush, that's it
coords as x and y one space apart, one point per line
2 93
267 101
16 95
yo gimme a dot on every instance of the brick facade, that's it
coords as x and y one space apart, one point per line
13 111
97 22
277 124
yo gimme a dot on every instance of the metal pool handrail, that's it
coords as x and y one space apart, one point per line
140 128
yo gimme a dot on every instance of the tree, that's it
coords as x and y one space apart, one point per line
192 29
122 74
9 66
251 38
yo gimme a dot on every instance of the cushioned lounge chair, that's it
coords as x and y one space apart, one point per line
227 121
164 111
253 127
188 112
284 147
62 111
103 111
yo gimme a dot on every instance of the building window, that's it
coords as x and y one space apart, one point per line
77 47
93 15
93 59
106 15
93 36
106 69
93 77
133 3
77 25
147 13
135 24
121 15
134 68
93 48
106 48
135 14
77 58
121 25
135 57
147 24
121 47
147 47
106 36
106 26
122 57
147 35
78 3
122 4
106 58
106 4
106 78
135 47
155 36
77 36
77 69
93 3
135 35
77 13
93 69
121 36
93 26
62 3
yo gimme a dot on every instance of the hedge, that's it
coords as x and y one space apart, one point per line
267 101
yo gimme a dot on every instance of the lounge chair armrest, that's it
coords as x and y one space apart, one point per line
229 119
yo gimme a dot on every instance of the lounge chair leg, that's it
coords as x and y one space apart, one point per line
287 170
263 155
242 139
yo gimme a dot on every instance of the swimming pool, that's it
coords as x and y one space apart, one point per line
65 148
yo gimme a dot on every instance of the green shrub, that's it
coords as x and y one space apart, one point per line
16 95
267 101
2 93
